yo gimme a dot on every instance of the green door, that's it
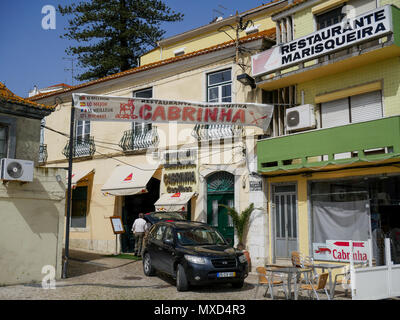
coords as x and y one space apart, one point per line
220 190
217 216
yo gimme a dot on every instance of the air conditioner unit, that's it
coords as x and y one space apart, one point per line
300 117
16 169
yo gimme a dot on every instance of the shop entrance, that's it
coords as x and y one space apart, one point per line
132 206
220 190
285 216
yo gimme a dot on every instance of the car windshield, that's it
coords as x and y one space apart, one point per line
199 236
168 215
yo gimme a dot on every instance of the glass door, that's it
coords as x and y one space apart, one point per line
285 216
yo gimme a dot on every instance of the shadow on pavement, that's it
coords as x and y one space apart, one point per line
81 263
221 287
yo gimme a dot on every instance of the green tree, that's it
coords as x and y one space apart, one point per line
113 34
240 222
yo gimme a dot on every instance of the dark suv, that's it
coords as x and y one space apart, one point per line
194 253
154 217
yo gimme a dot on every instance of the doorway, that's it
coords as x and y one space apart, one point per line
285 219
132 206
220 190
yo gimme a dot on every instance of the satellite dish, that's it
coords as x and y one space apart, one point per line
293 118
14 170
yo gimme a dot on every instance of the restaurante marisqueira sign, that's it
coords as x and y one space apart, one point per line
107 108
367 26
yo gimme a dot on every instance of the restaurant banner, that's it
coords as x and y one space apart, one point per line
339 250
108 108
348 32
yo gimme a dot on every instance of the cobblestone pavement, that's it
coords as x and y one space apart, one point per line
99 277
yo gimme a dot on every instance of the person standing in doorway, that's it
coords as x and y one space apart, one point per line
138 229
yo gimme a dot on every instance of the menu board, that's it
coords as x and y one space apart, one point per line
117 225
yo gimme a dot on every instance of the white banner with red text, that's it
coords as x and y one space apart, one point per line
339 250
109 108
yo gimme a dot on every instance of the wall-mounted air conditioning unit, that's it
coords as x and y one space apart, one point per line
300 117
16 169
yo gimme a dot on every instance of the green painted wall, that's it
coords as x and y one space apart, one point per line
349 138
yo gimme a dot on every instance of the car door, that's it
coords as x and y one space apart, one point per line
168 252
154 246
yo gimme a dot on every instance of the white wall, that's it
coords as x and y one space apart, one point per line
32 227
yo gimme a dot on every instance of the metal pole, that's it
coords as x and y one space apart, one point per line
69 192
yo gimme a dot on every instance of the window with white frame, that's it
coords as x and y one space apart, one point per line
219 86
137 127
82 131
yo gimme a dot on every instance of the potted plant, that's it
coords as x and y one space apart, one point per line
240 223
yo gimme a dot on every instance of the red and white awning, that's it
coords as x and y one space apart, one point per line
78 175
174 201
129 180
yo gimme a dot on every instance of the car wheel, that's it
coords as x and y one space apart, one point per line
181 280
238 285
148 269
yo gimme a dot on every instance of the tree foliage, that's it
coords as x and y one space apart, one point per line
240 221
113 34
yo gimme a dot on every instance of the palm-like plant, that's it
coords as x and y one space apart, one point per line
240 222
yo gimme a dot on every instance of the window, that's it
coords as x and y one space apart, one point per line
330 18
82 130
284 30
42 125
340 210
143 93
3 141
219 86
159 233
179 52
79 207
137 127
169 234
8 134
199 236
358 108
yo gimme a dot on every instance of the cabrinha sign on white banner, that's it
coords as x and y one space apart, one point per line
107 108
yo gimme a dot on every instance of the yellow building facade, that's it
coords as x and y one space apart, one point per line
344 162
209 164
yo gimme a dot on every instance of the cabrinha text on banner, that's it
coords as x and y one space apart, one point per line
110 108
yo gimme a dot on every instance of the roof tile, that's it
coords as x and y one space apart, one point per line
270 33
8 96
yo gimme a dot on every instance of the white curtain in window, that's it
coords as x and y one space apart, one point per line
340 220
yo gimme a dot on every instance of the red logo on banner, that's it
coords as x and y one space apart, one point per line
176 195
129 178
321 250
346 244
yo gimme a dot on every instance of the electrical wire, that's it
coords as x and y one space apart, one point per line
113 157
67 135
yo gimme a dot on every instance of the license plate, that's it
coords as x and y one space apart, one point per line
226 274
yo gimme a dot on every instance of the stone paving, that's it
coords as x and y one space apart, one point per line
99 277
